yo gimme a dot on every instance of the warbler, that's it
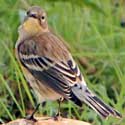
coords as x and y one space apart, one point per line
49 67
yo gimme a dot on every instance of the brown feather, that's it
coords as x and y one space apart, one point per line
49 66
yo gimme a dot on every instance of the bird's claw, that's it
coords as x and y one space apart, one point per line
57 117
30 117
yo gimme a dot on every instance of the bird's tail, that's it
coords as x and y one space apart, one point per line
97 104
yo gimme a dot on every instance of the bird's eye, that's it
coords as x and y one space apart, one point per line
28 12
43 17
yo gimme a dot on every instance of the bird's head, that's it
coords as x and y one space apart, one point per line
35 22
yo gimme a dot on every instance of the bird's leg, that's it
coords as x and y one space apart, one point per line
59 108
58 114
31 117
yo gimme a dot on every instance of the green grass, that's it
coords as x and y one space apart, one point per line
93 32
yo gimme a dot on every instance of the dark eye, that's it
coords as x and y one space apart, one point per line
28 12
43 17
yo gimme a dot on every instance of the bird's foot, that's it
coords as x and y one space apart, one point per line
57 117
31 117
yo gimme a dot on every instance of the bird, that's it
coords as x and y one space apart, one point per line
49 67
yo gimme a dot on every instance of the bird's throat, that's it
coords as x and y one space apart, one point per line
31 26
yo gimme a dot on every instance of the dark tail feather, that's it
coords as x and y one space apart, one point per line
76 100
95 103
100 107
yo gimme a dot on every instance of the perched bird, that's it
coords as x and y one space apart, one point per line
49 67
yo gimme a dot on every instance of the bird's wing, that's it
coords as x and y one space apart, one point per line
60 75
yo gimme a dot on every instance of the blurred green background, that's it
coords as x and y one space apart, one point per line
95 31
